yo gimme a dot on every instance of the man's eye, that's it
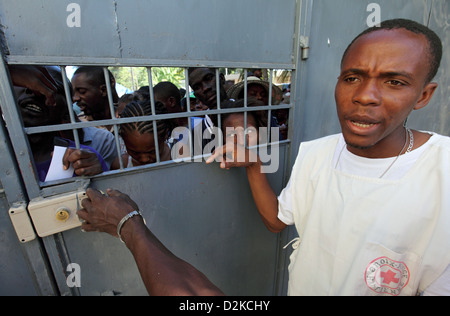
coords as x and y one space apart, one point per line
395 83
350 79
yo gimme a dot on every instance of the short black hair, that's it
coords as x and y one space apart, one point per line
168 89
434 42
95 74
56 74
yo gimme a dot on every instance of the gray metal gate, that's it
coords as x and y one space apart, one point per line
204 215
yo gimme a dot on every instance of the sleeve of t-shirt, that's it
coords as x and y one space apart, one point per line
104 143
103 164
285 213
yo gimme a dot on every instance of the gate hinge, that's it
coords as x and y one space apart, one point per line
304 45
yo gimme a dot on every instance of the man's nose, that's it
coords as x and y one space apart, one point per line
368 93
75 97
206 85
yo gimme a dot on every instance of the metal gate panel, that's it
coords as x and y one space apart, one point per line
220 34
24 268
436 115
167 32
200 213
30 27
15 277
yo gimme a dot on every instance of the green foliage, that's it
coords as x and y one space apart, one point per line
174 75
136 77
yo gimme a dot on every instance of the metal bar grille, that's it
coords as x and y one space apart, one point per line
116 122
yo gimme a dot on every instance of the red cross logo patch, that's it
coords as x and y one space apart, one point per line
386 276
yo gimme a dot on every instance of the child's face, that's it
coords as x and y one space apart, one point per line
141 147
234 129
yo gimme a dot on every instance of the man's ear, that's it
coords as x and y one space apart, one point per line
103 90
427 93
172 102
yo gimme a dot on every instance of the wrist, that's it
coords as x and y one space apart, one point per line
255 167
131 218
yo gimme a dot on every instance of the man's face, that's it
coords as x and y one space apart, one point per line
203 82
35 112
91 99
169 102
259 92
382 80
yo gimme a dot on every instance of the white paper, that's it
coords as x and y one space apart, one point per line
56 170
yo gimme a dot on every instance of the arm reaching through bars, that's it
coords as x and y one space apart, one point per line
162 272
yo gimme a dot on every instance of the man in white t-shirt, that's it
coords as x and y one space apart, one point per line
370 205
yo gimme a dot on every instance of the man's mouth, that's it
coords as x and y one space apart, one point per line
362 124
84 108
33 108
212 99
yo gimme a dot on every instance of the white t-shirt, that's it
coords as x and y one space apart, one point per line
348 162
